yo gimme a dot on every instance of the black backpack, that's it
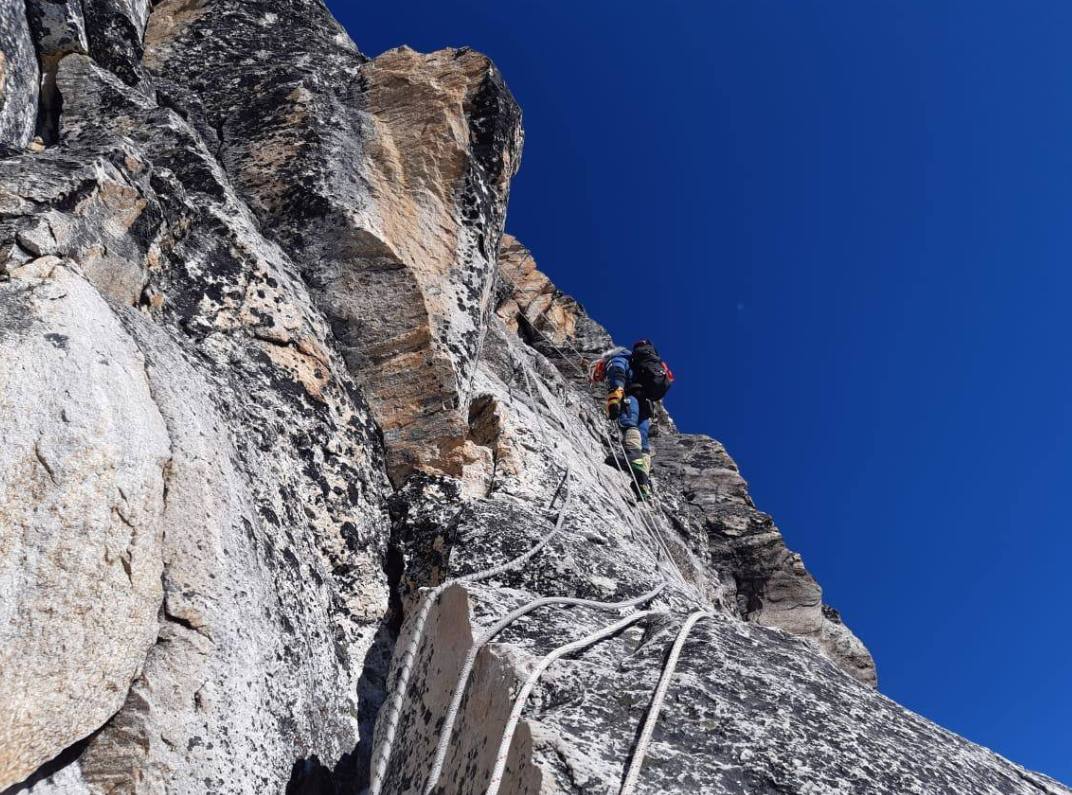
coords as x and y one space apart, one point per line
651 376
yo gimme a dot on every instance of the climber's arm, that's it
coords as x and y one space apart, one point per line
617 372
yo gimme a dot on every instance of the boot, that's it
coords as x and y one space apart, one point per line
640 465
641 492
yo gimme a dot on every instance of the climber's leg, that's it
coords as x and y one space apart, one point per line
635 442
644 426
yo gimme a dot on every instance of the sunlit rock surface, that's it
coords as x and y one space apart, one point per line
270 368
18 78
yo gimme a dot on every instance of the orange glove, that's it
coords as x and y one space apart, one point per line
614 402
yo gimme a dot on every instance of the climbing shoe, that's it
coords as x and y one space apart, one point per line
642 491
614 402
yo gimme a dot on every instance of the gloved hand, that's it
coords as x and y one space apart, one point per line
614 402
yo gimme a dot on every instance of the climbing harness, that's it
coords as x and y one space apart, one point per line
526 689
486 637
629 783
394 704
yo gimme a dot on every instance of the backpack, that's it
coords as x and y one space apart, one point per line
650 374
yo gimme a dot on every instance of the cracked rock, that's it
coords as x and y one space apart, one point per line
271 370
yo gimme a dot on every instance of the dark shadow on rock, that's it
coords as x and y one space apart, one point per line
309 776
372 692
67 756
350 775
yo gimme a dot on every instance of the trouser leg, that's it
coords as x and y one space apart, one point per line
635 442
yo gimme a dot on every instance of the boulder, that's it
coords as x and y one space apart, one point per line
82 504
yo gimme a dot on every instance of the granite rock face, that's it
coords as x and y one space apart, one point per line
18 78
83 507
385 181
259 633
271 370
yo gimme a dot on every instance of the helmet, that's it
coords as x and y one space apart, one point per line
642 341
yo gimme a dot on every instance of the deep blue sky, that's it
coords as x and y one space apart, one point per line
847 226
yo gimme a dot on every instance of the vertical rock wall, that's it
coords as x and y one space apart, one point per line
252 623
385 181
270 368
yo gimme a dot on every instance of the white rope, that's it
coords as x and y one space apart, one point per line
526 689
470 660
629 783
655 530
652 529
648 521
382 755
540 420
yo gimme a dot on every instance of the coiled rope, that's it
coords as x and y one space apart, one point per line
486 637
526 689
393 708
630 780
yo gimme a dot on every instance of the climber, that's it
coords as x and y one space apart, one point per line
636 380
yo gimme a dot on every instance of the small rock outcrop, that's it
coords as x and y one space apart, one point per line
271 372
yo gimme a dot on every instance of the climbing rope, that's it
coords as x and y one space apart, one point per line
544 430
526 689
650 529
630 780
392 716
640 751
664 558
649 521
609 500
393 707
486 637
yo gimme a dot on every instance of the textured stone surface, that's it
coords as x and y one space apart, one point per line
114 31
18 77
262 649
338 383
82 502
58 26
530 299
385 180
